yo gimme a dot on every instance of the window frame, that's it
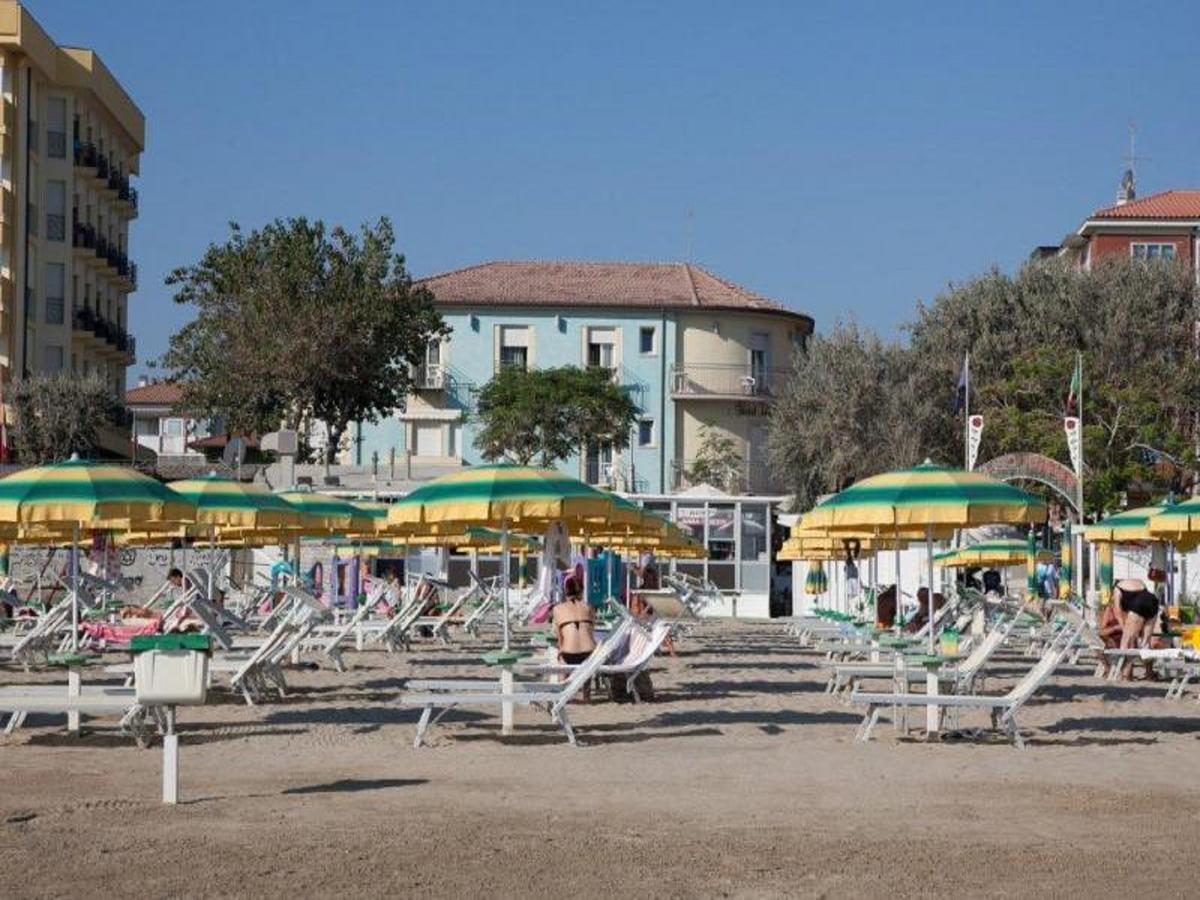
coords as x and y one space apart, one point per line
652 330
653 442
1164 250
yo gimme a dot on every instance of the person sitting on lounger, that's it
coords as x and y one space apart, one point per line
1139 609
922 615
573 622
885 608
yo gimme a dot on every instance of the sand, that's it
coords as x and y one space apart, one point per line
742 779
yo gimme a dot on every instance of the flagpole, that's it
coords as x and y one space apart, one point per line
966 410
1079 473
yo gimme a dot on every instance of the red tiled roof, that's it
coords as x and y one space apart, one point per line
598 284
161 393
1166 205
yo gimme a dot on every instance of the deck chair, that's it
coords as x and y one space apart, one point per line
1003 708
553 698
92 700
638 653
847 677
332 647
44 637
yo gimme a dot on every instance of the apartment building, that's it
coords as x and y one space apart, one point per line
70 143
1164 225
692 349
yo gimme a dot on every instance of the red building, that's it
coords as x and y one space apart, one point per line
1161 225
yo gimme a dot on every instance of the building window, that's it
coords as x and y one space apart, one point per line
1152 251
602 348
56 210
53 358
514 347
598 463
648 340
55 289
56 127
646 437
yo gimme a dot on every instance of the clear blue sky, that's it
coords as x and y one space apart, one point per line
846 161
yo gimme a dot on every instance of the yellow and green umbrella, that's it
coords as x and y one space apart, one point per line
223 502
928 496
985 554
323 512
1141 525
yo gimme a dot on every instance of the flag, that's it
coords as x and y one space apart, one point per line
1073 392
960 392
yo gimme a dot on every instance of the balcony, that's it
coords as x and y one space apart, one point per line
101 248
726 382
429 377
83 236
102 167
738 477
84 319
127 196
85 154
133 276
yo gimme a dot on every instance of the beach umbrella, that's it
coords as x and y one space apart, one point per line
1064 584
76 495
985 554
928 496
323 512
1141 525
226 503
507 497
816 582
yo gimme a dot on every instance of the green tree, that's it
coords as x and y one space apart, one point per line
58 415
548 415
294 323
843 414
718 461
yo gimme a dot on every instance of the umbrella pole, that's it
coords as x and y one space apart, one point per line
212 559
899 595
506 573
929 572
75 587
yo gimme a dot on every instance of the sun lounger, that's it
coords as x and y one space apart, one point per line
91 700
638 653
553 698
1003 708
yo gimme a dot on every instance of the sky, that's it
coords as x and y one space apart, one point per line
847 160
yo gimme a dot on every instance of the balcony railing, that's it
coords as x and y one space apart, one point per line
56 144
133 275
85 154
84 236
56 227
738 476
114 181
726 381
429 377
101 166
84 319
101 247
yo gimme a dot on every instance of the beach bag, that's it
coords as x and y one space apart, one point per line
541 613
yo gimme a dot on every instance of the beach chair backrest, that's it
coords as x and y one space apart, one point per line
1043 669
587 670
985 648
644 644
209 618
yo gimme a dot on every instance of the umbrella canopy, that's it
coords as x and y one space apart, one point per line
90 496
494 495
324 513
927 496
1141 524
985 554
221 501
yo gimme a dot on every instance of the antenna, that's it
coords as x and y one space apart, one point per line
1132 159
687 234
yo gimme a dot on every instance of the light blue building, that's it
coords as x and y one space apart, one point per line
692 349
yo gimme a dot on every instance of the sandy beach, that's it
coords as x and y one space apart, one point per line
742 779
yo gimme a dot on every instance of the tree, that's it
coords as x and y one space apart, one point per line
293 322
857 405
550 414
58 415
842 415
718 461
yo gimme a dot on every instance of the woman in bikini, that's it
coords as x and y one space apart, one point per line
573 622
1140 609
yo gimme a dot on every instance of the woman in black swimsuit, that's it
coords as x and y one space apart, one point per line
1139 608
572 618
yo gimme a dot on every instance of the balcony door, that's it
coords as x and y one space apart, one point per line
602 349
760 362
598 463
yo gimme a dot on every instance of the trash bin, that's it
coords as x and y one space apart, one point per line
170 669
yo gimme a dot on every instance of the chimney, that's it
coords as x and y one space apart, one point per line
1127 191
143 381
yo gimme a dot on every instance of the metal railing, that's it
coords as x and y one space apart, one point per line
84 236
56 227
712 380
56 144
429 377
85 154
84 319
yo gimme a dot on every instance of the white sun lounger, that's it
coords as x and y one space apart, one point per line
553 698
1003 708
92 700
639 652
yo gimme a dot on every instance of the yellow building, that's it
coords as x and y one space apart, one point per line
70 140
